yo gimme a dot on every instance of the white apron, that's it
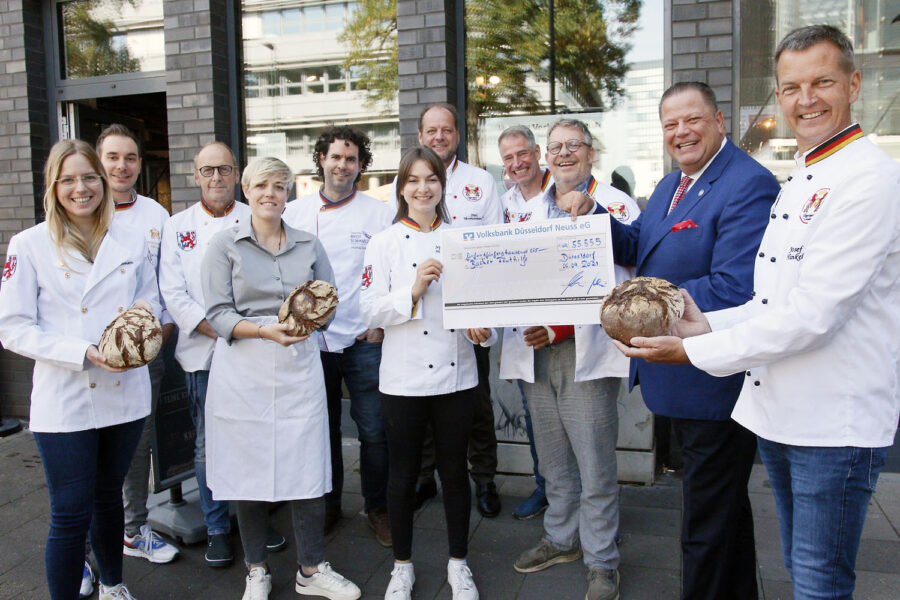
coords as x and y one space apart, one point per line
267 421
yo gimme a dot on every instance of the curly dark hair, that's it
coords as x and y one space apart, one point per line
348 134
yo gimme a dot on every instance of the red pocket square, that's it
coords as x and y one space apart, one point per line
689 224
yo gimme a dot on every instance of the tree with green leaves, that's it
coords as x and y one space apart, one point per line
90 50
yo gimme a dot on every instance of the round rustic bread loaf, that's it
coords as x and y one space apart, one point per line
641 307
308 307
132 339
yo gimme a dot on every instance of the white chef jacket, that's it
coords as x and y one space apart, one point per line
595 354
147 215
52 311
344 227
517 208
820 339
186 237
470 195
419 357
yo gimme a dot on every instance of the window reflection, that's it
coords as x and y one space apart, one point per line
109 37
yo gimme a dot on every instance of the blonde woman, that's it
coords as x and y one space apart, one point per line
266 415
64 280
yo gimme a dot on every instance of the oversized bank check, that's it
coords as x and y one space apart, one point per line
553 272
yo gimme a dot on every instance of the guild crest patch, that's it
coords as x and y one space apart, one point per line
618 211
10 267
812 205
472 193
367 277
187 240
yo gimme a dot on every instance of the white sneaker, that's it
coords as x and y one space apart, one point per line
87 581
402 579
461 582
259 584
147 544
116 592
328 583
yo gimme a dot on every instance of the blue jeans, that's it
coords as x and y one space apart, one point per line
529 430
822 495
358 366
84 472
215 512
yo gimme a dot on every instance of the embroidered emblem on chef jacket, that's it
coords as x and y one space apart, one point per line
472 193
367 277
187 240
619 211
513 217
813 204
10 267
154 234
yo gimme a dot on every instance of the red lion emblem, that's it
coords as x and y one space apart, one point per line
10 267
367 277
187 240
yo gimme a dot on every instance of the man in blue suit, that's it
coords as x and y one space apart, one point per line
701 230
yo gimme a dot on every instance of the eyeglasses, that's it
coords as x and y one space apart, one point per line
89 179
571 146
224 170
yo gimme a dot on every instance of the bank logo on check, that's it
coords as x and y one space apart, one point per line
468 236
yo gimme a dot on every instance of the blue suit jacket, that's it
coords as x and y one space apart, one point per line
713 261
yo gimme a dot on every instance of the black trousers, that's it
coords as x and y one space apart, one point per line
483 439
450 418
718 552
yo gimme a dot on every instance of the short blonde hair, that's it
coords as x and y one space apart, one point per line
265 169
61 232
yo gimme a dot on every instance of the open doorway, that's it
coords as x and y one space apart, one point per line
145 114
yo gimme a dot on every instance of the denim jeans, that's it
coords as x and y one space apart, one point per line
84 472
529 430
822 495
215 512
358 366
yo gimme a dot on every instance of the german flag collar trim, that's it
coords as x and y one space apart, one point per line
591 186
841 140
329 205
413 225
129 204
210 212
545 181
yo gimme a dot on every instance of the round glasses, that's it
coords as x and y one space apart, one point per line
224 170
571 146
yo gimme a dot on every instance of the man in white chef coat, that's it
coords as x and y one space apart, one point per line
344 219
119 151
471 197
571 376
185 239
818 341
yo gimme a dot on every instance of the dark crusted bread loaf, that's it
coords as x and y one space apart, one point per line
308 307
132 339
641 307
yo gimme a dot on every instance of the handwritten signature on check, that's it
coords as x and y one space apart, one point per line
579 281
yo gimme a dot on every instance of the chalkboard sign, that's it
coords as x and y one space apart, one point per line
174 435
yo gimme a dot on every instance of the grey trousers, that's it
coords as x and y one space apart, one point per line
309 539
575 430
137 481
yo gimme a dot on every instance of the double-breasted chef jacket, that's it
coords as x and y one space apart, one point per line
517 208
53 308
419 357
266 413
344 227
186 237
470 195
819 342
595 354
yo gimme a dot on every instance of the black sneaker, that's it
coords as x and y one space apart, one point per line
218 550
275 542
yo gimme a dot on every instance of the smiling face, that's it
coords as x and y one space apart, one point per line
815 93
340 167
267 198
422 192
569 168
521 161
119 155
692 130
79 199
217 190
439 133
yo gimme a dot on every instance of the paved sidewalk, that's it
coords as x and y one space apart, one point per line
649 526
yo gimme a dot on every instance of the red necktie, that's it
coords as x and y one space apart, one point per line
679 193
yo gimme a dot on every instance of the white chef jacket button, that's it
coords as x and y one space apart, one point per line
93 385
514 329
762 254
425 332
453 364
765 301
784 216
808 177
756 382
752 294
118 383
430 366
774 215
278 279
407 236
67 275
414 264
748 373
452 331
122 271
772 259
790 177
84 309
